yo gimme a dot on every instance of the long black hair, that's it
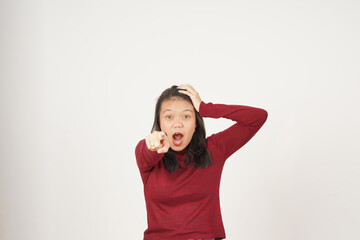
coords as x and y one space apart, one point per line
196 152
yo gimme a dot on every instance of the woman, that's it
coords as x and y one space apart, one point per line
181 168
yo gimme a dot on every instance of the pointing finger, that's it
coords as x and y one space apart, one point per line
162 135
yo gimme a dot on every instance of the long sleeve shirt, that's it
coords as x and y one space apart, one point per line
185 204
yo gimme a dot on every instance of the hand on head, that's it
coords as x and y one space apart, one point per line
192 93
158 141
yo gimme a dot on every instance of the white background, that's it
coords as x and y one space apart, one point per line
79 83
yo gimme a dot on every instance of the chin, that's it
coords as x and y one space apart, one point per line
178 148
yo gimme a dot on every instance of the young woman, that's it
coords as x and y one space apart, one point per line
181 168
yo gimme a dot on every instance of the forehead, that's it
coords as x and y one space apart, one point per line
176 105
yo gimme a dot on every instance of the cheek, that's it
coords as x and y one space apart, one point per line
191 128
164 127
161 126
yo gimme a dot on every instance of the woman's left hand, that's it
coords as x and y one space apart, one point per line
192 93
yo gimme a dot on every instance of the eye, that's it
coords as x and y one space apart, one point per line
187 116
168 117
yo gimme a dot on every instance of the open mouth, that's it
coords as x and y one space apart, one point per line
178 138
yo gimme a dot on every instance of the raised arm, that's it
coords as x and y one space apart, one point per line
248 121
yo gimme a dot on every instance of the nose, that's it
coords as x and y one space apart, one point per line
178 124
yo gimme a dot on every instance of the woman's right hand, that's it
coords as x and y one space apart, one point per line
158 141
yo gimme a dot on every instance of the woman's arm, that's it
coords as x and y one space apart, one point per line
145 158
151 150
248 121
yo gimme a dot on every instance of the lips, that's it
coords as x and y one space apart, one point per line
177 138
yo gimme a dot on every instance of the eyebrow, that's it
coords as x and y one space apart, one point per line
169 110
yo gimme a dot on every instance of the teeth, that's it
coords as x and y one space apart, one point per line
177 134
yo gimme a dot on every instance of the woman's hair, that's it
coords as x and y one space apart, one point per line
196 152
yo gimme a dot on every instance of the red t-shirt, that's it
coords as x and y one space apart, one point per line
185 204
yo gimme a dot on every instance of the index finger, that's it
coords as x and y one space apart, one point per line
162 135
188 87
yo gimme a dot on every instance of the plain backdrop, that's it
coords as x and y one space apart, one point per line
79 83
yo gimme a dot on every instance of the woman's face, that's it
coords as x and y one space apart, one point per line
178 121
